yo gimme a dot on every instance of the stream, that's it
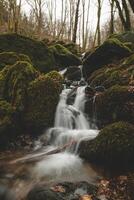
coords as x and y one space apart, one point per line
58 160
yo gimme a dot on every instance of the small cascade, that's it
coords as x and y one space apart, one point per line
63 114
94 113
71 126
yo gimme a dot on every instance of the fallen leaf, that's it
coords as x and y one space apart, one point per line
86 197
58 188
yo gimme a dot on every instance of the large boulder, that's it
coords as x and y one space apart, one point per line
110 51
115 104
43 96
14 81
113 146
40 55
64 58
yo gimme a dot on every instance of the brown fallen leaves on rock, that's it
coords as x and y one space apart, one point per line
58 188
86 197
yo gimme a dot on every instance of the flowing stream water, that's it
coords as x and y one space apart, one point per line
59 159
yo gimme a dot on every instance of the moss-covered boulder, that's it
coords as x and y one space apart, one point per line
127 38
116 104
64 58
43 96
8 122
112 74
9 58
14 81
38 52
113 146
109 52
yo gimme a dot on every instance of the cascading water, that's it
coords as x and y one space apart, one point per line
71 126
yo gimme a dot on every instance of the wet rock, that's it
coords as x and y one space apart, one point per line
90 92
73 73
100 89
109 52
63 191
114 146
82 82
42 193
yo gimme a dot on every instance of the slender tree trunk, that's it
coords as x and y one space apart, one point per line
131 4
98 25
86 34
127 14
125 21
112 17
83 23
76 22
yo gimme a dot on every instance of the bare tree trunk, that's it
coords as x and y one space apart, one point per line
125 20
86 34
112 17
127 14
76 22
131 4
98 25
83 23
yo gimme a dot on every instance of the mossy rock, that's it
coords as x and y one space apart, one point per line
109 52
64 58
112 75
9 58
8 122
40 55
56 76
43 96
14 81
113 146
129 61
126 37
72 47
116 104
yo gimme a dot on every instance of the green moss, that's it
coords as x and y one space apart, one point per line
111 75
40 112
38 52
115 104
55 76
72 47
7 121
129 61
63 56
14 81
125 37
9 58
114 145
110 51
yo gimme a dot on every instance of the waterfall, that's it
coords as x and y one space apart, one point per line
70 127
